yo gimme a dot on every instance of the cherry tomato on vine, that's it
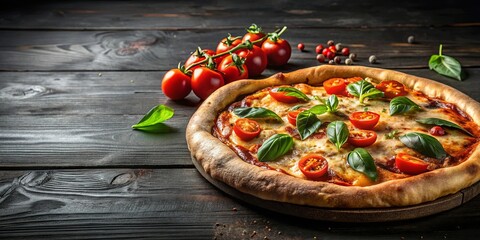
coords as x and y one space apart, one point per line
392 88
364 120
282 96
254 33
225 45
176 84
205 81
313 166
246 129
437 131
278 51
197 56
256 60
409 164
362 138
233 68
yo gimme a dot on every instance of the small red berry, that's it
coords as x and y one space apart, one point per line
325 51
437 131
345 51
330 55
333 48
319 48
320 58
301 46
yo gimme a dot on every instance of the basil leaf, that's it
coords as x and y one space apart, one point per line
445 65
441 122
332 103
307 124
274 147
337 133
293 92
424 144
153 120
361 161
402 105
319 109
363 89
256 112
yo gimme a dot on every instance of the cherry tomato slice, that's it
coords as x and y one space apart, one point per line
292 116
246 129
362 138
437 131
392 88
334 85
409 164
282 96
313 166
364 120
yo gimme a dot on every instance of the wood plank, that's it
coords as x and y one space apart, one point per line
137 203
211 14
162 50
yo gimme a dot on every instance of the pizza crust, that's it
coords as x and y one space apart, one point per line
220 162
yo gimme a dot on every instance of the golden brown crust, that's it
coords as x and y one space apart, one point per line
224 165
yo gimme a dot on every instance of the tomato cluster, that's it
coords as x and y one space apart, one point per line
234 58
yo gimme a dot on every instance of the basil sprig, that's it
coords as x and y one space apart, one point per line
445 65
275 147
293 92
307 124
361 161
363 89
256 112
402 104
441 122
337 133
424 144
331 105
153 120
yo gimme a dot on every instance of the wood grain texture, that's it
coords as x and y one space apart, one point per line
213 14
162 50
166 204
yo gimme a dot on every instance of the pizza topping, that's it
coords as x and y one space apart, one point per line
409 164
246 129
424 144
437 131
364 120
288 95
392 88
364 90
361 161
337 133
256 112
292 116
362 138
307 123
334 86
441 122
402 104
313 166
331 105
274 147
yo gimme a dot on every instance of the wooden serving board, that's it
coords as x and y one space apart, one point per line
350 215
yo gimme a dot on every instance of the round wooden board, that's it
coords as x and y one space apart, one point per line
350 215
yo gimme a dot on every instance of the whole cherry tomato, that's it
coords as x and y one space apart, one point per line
225 45
254 33
176 84
409 164
362 138
313 166
278 51
233 68
392 88
256 60
205 81
197 56
246 129
437 131
282 96
364 120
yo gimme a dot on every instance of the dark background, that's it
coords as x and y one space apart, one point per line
75 75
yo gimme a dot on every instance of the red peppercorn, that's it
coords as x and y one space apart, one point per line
437 131
301 46
330 55
325 51
319 48
320 58
333 48
345 51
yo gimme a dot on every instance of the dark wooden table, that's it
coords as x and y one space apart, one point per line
75 75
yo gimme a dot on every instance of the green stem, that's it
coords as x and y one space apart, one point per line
440 50
282 30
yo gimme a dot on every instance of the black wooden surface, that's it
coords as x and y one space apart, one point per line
75 75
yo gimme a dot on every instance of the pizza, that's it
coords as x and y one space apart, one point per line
339 137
